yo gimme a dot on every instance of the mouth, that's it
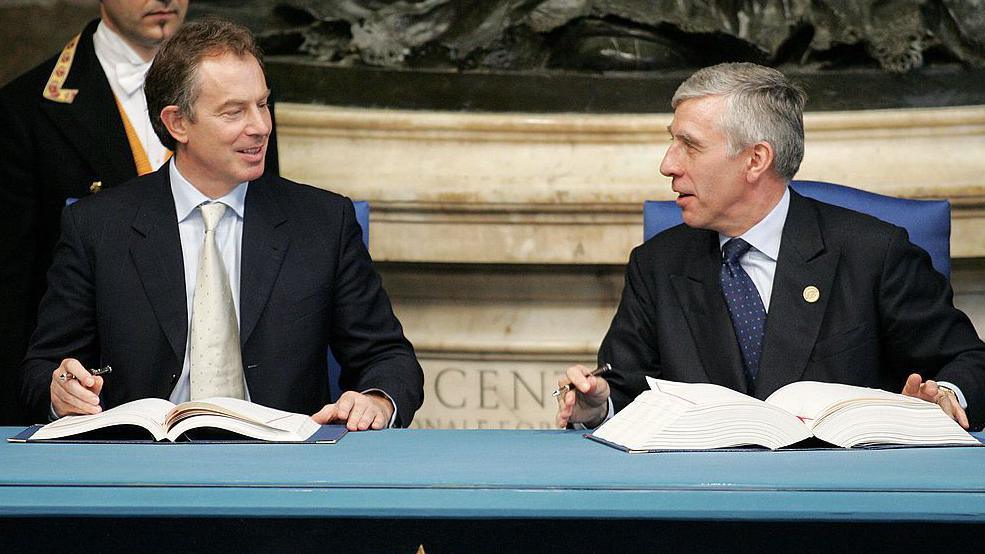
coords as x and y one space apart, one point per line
162 13
252 154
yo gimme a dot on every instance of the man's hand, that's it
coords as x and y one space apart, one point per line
359 411
585 401
74 396
929 390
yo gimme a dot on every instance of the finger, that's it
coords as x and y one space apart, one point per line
345 404
355 416
76 368
97 387
912 385
929 391
65 402
380 421
567 408
369 415
959 414
325 415
576 376
75 389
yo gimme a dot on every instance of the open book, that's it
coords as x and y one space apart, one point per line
701 416
165 421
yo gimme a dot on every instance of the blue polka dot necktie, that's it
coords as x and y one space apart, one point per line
745 307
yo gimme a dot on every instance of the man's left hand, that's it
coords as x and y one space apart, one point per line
945 398
359 411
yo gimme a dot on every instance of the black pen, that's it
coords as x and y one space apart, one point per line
106 369
604 368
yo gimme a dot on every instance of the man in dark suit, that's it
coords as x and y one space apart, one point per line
72 126
131 268
762 287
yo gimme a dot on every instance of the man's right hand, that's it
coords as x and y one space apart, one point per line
586 400
78 396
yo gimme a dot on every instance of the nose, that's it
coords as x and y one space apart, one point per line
670 167
259 121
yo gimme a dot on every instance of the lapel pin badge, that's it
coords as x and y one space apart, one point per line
811 294
96 186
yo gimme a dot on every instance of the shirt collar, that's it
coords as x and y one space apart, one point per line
765 235
187 197
111 47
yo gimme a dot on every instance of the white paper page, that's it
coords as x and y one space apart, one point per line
808 399
147 413
700 393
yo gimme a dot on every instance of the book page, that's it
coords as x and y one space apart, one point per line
645 417
809 400
148 413
701 393
242 417
243 410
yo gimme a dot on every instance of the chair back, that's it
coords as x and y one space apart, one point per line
334 369
928 222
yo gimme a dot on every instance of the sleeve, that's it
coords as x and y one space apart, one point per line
630 345
19 275
923 331
367 338
66 319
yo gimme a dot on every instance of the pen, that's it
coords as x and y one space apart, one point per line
604 368
106 369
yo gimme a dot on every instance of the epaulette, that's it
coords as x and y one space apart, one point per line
53 89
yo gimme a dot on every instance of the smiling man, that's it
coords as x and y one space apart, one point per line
209 277
725 298
72 126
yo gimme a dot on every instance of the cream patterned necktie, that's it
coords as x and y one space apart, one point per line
216 360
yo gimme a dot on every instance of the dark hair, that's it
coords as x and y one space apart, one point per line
172 79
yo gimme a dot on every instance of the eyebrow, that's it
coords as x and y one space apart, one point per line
239 102
687 139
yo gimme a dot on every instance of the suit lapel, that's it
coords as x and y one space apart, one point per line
699 292
793 322
99 139
264 246
155 249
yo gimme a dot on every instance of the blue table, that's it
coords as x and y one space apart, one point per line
544 481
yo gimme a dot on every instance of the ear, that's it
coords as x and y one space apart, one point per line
760 160
176 123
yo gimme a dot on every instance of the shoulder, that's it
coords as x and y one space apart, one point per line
307 206
42 82
673 246
301 196
845 226
118 200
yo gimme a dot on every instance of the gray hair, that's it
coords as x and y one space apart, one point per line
761 104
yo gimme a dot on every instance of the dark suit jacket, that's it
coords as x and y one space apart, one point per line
117 296
51 151
883 312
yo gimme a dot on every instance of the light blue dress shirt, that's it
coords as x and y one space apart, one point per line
191 230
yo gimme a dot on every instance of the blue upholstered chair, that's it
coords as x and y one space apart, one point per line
334 369
927 221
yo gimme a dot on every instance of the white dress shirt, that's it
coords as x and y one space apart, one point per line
125 70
